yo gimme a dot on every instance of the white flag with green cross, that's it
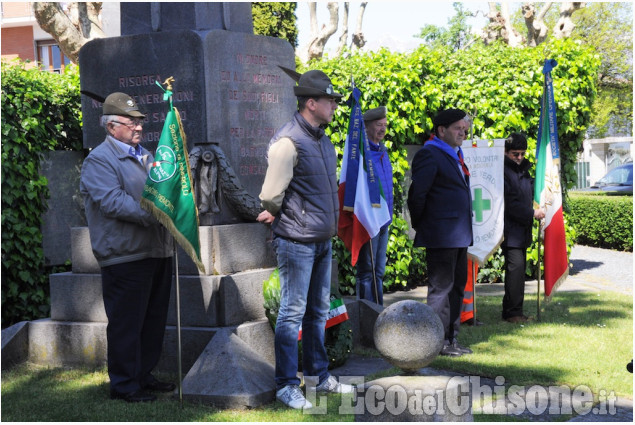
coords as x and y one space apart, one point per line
486 164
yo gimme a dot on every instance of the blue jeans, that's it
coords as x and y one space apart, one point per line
305 289
365 290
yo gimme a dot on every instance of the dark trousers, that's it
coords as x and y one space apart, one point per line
136 297
447 274
515 262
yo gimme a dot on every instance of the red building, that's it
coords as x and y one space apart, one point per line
23 38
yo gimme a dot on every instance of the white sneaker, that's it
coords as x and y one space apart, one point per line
292 396
330 385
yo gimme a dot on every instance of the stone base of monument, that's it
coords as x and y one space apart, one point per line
222 308
415 399
230 374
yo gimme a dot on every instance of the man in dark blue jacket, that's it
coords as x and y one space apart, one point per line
440 205
519 215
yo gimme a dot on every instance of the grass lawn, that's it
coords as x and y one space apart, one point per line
583 338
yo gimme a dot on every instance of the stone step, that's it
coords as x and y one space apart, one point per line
54 343
205 300
225 249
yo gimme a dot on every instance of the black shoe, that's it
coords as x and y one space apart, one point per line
450 351
473 322
162 387
463 350
133 397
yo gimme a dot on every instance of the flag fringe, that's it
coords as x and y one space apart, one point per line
558 282
477 260
186 154
166 221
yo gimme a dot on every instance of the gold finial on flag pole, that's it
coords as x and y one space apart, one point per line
168 82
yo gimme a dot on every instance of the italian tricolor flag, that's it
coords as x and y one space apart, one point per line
363 206
547 190
337 314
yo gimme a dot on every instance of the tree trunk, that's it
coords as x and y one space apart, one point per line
70 32
510 35
500 26
565 25
315 47
344 35
536 28
358 37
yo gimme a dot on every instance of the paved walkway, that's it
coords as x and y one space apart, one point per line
592 270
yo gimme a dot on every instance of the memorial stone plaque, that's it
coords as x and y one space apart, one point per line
145 17
228 88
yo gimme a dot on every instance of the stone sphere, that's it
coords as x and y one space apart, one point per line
408 334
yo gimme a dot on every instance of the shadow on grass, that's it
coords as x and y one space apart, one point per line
580 339
83 395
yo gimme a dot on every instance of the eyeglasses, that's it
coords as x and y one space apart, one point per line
517 154
131 125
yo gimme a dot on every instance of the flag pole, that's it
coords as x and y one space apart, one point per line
474 291
178 323
539 274
372 264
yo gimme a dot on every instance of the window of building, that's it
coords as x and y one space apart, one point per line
50 56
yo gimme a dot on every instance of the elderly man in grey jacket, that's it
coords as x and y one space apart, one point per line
133 250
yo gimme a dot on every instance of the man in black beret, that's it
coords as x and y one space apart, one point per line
133 250
371 262
440 205
519 217
299 196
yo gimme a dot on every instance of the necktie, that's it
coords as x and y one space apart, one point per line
466 172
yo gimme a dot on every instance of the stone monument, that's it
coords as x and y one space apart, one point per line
228 87
409 335
232 97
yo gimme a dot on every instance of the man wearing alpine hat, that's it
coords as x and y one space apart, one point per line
133 250
299 197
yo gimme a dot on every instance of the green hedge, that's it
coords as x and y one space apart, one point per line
500 86
602 221
40 112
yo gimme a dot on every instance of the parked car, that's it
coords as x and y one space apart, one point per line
617 181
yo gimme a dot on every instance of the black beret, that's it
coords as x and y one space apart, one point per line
448 117
516 142
375 114
315 83
121 104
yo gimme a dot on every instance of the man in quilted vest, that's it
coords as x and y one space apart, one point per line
299 196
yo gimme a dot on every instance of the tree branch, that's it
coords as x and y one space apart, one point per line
344 36
53 20
358 37
565 25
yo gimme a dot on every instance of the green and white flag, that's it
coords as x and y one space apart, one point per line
486 164
168 193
